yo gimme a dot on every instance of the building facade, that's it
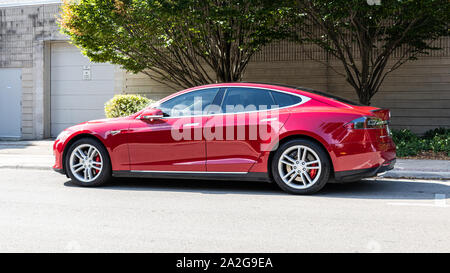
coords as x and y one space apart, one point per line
46 84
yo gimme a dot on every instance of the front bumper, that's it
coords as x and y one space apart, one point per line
354 175
61 171
58 149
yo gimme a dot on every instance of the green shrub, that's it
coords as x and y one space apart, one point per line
440 143
438 131
125 105
409 144
403 135
411 148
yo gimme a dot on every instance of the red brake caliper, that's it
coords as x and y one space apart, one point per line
313 172
97 159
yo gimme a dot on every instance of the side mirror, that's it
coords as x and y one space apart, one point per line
151 114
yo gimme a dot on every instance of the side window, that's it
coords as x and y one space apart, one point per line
283 99
241 99
189 104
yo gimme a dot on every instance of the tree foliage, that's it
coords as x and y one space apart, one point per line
176 42
365 37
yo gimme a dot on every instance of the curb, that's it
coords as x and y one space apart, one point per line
417 175
42 168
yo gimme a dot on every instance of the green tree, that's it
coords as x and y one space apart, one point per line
364 35
176 42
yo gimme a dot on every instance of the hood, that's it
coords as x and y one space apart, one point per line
83 125
103 120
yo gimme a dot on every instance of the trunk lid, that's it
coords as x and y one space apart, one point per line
383 114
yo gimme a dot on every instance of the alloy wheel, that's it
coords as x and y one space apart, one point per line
299 167
86 163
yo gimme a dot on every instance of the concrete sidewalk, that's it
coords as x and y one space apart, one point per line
36 154
39 155
420 169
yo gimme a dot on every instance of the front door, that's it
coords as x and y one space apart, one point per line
163 145
174 143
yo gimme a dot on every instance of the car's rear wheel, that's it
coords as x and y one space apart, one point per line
300 166
88 163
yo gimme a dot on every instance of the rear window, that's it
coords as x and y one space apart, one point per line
332 96
283 99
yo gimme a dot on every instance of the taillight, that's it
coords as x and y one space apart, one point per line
366 123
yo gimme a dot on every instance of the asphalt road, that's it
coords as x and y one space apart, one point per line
41 211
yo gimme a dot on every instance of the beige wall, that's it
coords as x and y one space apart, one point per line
27 102
418 93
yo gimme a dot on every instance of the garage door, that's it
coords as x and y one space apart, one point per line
79 88
10 97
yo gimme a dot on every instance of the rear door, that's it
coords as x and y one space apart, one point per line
235 139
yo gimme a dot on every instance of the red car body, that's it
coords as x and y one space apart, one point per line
139 148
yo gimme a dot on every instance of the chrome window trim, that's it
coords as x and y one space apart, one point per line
304 100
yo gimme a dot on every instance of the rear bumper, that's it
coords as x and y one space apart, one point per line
370 153
354 175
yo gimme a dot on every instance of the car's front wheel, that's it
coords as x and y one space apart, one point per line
87 163
300 166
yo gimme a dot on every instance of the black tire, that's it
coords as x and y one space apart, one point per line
104 175
325 166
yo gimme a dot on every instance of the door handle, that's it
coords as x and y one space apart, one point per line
115 132
268 119
190 124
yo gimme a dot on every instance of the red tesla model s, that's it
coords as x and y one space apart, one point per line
297 137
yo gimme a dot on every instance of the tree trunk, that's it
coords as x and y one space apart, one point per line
364 95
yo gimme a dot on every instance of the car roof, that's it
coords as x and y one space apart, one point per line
312 93
275 86
283 87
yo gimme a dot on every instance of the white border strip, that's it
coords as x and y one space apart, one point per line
29 3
